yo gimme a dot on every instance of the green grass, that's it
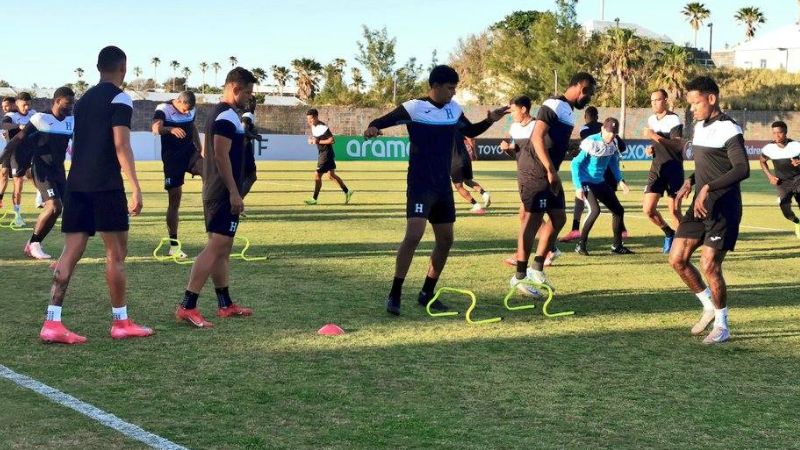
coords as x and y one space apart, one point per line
622 373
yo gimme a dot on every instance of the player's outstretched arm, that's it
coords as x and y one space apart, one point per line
122 144
398 116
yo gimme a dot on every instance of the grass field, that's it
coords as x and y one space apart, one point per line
623 372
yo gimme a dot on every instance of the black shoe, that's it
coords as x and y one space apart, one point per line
581 249
621 250
436 306
393 306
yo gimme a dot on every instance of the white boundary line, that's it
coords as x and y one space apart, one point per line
128 429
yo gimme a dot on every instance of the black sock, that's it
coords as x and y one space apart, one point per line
36 238
522 269
796 220
668 232
538 263
482 191
189 300
472 201
397 287
173 239
344 189
1 195
223 297
429 285
576 224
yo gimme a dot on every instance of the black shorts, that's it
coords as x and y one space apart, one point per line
49 181
788 189
89 212
219 218
176 164
437 207
720 229
325 166
20 163
249 158
537 197
461 172
667 178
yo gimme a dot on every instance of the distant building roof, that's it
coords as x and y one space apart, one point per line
784 37
601 26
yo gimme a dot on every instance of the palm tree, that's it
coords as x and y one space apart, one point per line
186 72
671 72
137 71
175 66
750 16
696 13
358 79
622 52
260 74
306 73
281 75
79 73
215 67
233 61
203 69
155 62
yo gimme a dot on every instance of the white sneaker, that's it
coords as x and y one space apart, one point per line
39 200
717 336
177 252
704 322
487 199
524 288
35 251
552 256
19 222
477 209
540 277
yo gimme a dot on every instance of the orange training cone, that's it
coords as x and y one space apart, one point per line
331 329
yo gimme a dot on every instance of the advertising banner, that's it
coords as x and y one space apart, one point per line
356 148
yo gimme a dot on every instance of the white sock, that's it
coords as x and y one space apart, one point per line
16 208
54 313
120 313
721 318
705 299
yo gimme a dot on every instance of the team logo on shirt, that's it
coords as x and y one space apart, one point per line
449 113
51 193
418 208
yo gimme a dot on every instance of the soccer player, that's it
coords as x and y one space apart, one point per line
432 123
8 106
250 135
223 177
20 161
591 127
461 174
599 153
180 153
544 194
712 220
94 199
322 137
47 135
785 156
665 130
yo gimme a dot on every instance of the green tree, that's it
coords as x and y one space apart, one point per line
282 75
175 65
671 72
137 72
470 59
358 80
518 22
307 73
622 52
203 70
233 61
186 72
79 73
751 17
155 61
260 74
696 13
215 66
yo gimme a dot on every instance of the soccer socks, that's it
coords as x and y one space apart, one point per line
576 216
190 300
173 240
705 299
54 313
36 238
397 287
668 231
223 297
522 269
120 313
429 285
472 201
538 263
721 318
16 208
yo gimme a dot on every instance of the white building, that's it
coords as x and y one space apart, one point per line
778 49
601 26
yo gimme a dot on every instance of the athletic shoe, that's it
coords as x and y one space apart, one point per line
581 249
19 222
796 229
124 329
192 316
436 306
393 306
311 201
524 288
347 196
487 199
717 336
539 277
625 234
703 323
54 332
39 200
234 310
511 261
621 250
177 252
667 244
551 256
34 250
477 209
571 236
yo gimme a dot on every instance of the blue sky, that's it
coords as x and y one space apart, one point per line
275 32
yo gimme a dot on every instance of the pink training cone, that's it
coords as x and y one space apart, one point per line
331 329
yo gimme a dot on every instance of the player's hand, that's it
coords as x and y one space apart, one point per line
135 204
311 141
625 188
700 210
684 191
497 114
504 146
649 150
554 181
795 162
237 204
773 180
372 132
177 132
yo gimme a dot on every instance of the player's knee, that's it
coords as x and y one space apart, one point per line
444 242
677 261
61 277
649 211
412 239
